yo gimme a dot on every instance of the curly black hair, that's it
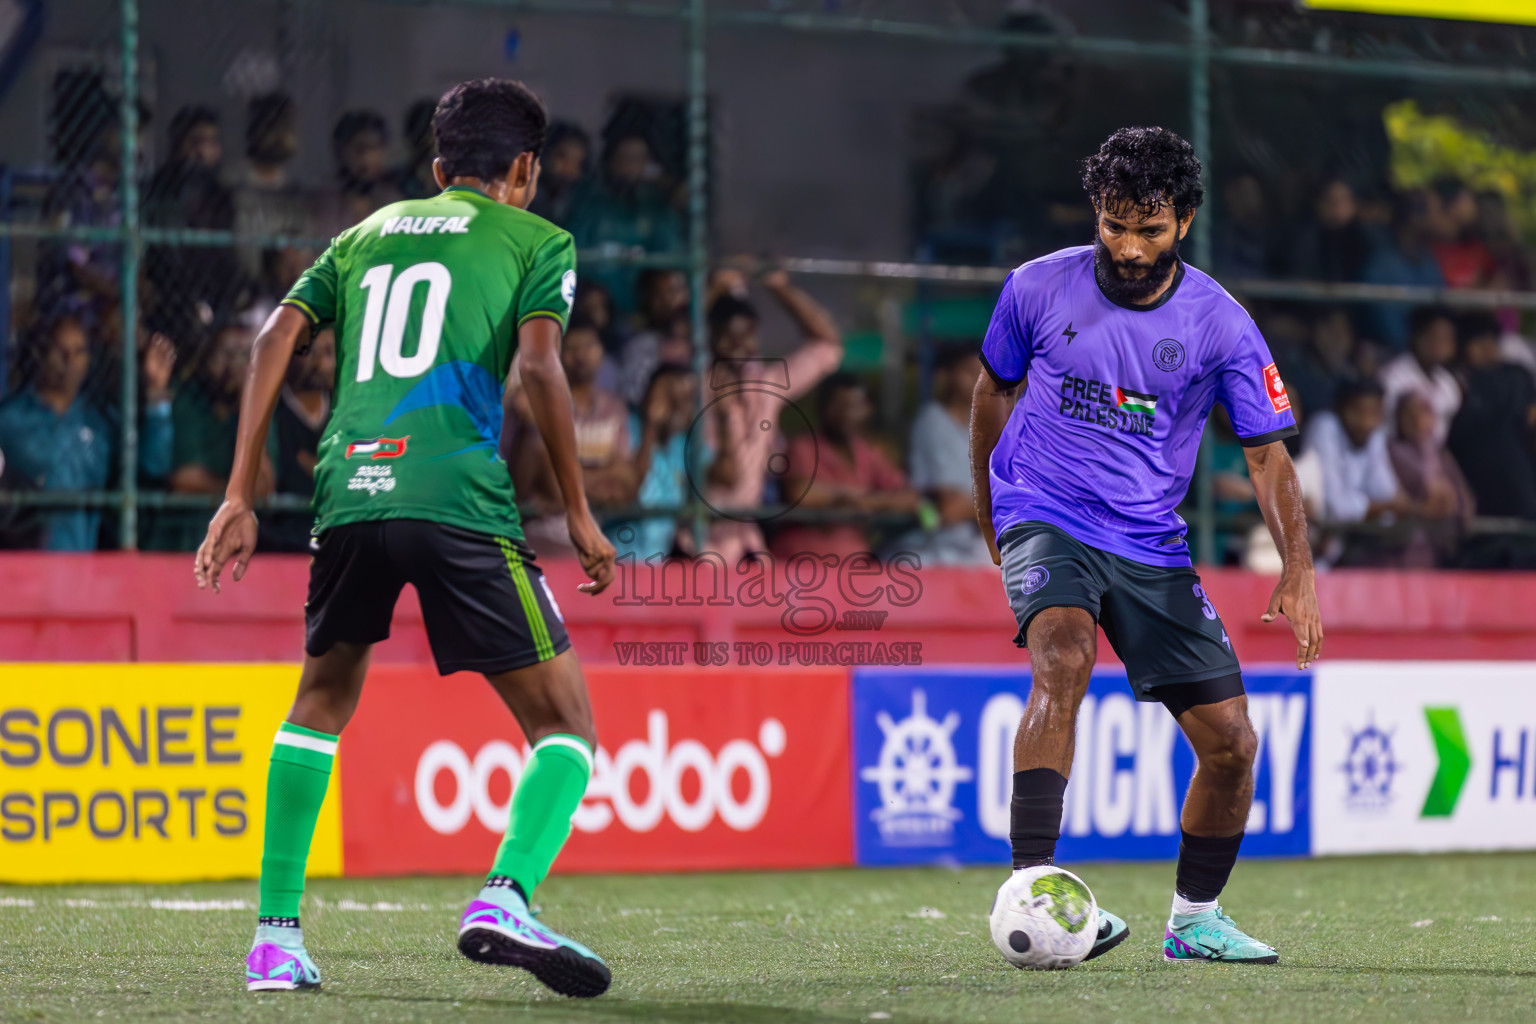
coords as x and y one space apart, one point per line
1147 168
482 126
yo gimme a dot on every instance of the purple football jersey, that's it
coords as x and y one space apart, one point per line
1103 440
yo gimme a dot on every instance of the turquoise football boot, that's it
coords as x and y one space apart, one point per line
278 961
1212 936
498 928
1112 932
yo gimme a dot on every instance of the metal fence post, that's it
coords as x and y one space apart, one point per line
129 305
1200 248
698 239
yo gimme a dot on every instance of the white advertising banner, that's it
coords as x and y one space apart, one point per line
1416 756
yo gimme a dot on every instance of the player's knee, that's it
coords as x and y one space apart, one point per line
1234 752
1062 663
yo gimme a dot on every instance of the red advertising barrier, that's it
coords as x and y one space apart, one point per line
696 769
122 607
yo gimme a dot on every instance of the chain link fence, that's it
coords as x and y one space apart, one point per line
895 156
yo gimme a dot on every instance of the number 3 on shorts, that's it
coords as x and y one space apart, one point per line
1205 602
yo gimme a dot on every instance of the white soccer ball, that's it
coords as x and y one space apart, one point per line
1044 919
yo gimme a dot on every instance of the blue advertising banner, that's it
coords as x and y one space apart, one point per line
933 767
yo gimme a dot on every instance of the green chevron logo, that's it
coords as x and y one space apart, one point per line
1455 762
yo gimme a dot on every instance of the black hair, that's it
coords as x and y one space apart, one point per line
581 321
839 382
1353 388
186 119
1422 316
662 372
951 356
264 112
727 308
1477 325
1449 188
563 131
1147 168
649 278
353 123
417 123
482 126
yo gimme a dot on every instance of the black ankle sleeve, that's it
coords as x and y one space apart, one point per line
1036 816
1205 864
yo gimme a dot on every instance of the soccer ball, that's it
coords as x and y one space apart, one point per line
1044 919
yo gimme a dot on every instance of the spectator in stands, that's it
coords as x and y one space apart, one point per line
595 304
77 277
1242 242
1464 259
1408 260
1425 368
940 461
567 151
756 390
1358 482
627 207
602 441
1492 435
1313 373
188 192
415 176
204 415
838 469
662 296
662 430
303 407
360 146
1425 470
267 200
1334 245
55 439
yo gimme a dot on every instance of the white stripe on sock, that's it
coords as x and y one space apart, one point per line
298 739
1189 908
566 741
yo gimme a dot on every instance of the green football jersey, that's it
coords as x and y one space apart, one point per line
427 297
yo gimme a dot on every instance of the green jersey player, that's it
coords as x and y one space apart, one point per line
430 300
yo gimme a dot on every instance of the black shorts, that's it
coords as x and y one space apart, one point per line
485 603
1157 618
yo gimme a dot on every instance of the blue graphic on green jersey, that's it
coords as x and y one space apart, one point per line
467 385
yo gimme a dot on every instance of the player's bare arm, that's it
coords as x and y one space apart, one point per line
1279 496
549 397
232 533
991 405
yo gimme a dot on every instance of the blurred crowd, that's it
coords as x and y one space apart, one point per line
1417 422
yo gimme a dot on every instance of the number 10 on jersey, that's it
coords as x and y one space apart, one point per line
385 316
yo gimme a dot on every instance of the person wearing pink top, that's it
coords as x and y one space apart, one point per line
837 468
749 393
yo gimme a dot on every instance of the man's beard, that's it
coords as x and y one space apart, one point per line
1134 291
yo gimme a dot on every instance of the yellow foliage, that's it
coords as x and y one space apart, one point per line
1427 148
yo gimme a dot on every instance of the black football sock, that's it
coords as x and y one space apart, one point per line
1036 816
1205 864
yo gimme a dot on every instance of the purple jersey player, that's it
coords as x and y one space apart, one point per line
1101 365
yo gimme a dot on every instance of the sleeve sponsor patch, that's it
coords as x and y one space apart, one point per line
1275 388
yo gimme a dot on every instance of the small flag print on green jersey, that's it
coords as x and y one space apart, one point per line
1134 401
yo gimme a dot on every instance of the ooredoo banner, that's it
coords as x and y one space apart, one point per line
142 773
695 769
933 762
1424 757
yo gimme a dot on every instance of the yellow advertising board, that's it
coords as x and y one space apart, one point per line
1510 12
143 773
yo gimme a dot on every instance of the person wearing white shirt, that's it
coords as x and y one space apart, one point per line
1424 368
1351 443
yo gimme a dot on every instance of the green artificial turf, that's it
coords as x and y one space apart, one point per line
1400 939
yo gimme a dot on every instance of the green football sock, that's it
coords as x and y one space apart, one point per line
540 820
296 781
